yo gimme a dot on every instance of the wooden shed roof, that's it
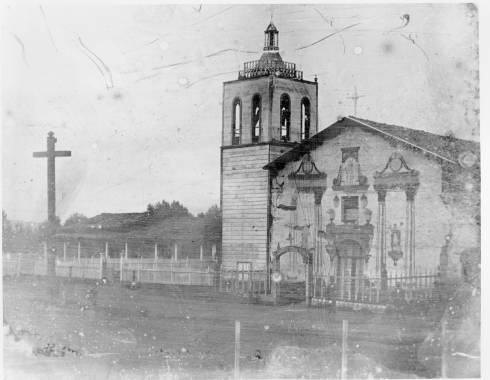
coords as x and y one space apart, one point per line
131 227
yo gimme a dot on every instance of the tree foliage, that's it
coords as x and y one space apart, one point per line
164 210
75 219
6 232
20 236
212 223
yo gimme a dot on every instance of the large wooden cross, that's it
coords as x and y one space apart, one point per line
51 154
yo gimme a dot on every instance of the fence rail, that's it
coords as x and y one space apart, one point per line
352 289
251 282
160 271
375 290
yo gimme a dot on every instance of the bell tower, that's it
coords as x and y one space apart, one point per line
266 111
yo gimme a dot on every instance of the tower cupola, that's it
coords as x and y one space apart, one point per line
271 62
271 38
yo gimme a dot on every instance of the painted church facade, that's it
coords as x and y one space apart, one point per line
381 206
358 198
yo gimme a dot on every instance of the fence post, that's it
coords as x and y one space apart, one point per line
362 289
45 246
345 329
201 253
236 283
64 251
431 284
237 350
120 267
101 266
106 250
18 265
213 252
156 252
79 248
252 281
443 348
176 252
139 269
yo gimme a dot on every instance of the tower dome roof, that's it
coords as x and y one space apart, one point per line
270 58
271 28
271 62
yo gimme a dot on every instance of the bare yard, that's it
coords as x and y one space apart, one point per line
112 332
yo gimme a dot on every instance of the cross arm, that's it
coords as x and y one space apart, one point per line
62 153
58 153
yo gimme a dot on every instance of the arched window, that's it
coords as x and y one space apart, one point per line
236 123
305 118
285 117
256 118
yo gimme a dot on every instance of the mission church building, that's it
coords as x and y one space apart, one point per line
356 199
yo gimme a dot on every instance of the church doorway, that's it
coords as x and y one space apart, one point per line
292 266
350 269
293 274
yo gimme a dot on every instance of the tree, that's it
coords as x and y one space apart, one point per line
75 219
164 210
20 236
213 224
150 209
7 232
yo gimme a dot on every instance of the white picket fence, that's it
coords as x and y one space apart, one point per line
16 264
187 272
89 270
144 270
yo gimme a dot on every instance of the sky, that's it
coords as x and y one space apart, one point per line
135 91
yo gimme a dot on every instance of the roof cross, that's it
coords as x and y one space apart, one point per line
355 97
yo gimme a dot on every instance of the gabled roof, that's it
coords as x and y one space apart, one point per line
180 228
442 148
118 221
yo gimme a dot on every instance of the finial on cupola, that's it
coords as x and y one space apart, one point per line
271 38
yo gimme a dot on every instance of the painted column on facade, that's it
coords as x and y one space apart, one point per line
382 236
410 192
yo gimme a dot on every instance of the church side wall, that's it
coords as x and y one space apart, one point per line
244 205
432 219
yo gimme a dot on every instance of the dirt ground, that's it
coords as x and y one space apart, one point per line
167 332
